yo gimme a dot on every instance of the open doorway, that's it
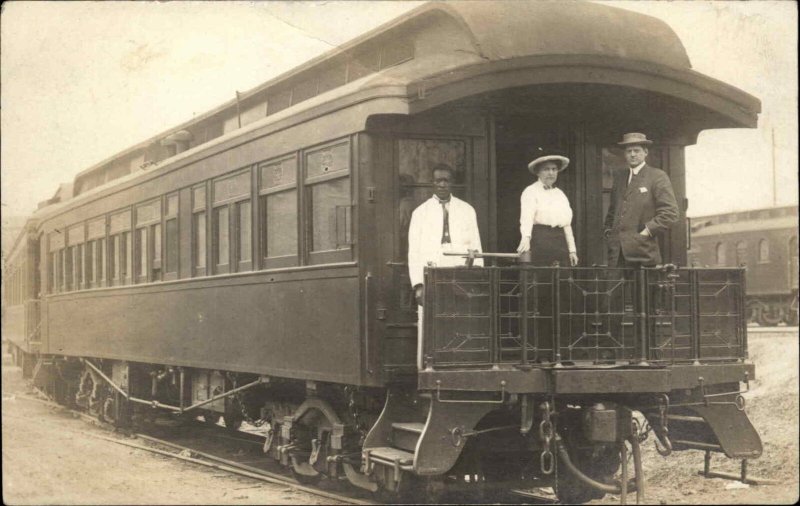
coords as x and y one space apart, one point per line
516 140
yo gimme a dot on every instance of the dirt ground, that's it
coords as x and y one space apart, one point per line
772 405
49 457
56 461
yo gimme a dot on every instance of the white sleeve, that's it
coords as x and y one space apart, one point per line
570 239
527 205
416 263
475 236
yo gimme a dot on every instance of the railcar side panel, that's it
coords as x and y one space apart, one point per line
14 324
273 324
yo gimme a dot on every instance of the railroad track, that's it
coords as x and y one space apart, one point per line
191 453
234 452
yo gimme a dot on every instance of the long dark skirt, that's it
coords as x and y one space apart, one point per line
548 245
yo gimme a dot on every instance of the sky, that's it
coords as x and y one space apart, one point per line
81 81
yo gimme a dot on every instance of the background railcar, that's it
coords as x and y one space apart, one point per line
251 262
21 319
765 242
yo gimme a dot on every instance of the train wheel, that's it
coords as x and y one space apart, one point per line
770 317
305 479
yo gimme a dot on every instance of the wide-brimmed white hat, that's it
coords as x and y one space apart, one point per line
548 155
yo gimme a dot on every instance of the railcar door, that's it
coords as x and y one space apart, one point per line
414 159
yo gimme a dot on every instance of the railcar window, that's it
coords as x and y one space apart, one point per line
94 253
59 270
330 221
221 240
77 264
148 242
141 256
200 243
363 63
397 52
278 208
231 223
741 253
50 274
720 253
763 251
120 248
171 238
280 224
329 203
244 232
113 259
68 271
127 253
100 257
199 231
156 230
76 236
88 265
279 101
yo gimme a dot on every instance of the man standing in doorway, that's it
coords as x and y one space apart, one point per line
642 206
443 223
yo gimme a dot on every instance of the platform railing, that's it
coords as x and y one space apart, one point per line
551 316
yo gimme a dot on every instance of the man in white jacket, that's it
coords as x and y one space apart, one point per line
443 223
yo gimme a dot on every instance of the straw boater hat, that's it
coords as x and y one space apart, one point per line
634 138
547 155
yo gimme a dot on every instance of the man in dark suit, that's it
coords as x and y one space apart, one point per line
642 206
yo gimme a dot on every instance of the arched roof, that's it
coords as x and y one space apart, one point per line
501 44
511 29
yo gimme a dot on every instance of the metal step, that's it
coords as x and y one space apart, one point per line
410 427
405 435
685 418
696 445
388 455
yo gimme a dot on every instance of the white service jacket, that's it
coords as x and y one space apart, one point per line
425 236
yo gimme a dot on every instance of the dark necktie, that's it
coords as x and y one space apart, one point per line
445 224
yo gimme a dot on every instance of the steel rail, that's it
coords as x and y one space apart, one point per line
217 462
230 466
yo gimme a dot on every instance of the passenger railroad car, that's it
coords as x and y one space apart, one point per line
251 262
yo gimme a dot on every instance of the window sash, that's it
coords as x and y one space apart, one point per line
244 235
199 243
279 238
329 227
100 262
142 258
221 243
172 249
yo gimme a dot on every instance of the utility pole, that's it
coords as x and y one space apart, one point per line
774 178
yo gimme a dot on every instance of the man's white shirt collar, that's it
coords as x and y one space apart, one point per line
635 171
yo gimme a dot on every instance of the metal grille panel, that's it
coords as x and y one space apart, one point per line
545 315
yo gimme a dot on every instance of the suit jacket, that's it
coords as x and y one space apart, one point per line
425 236
647 201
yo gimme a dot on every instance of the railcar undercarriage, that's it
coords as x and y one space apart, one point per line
415 446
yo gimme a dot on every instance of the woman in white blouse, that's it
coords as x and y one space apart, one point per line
545 220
